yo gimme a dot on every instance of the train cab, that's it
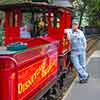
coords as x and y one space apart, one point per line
36 48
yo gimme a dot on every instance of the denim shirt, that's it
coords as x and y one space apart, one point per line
77 40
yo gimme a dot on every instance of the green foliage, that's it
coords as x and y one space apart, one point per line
1 34
93 13
91 9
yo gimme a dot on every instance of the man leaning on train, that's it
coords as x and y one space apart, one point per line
78 50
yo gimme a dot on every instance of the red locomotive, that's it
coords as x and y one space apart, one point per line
28 73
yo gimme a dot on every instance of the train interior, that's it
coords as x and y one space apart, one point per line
34 25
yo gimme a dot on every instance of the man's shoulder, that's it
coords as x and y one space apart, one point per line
80 31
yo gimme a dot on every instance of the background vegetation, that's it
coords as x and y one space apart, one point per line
88 10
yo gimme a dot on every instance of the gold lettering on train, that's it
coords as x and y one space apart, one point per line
41 70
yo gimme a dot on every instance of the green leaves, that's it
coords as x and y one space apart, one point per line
89 8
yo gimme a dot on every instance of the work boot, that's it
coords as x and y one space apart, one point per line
84 80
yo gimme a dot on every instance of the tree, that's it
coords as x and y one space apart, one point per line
93 13
80 6
91 8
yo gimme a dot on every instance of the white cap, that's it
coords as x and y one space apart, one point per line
75 22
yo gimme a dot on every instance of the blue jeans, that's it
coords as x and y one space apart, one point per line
79 62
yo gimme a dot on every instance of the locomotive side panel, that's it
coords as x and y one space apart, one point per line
8 78
25 73
32 77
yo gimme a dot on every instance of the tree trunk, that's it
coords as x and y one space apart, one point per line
81 18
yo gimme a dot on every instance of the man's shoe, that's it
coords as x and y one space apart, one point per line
83 81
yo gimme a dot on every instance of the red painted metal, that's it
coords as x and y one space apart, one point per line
23 74
12 31
58 33
27 71
12 25
8 78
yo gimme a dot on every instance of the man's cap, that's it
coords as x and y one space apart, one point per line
75 22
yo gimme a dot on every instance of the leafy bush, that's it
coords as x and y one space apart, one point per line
1 39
